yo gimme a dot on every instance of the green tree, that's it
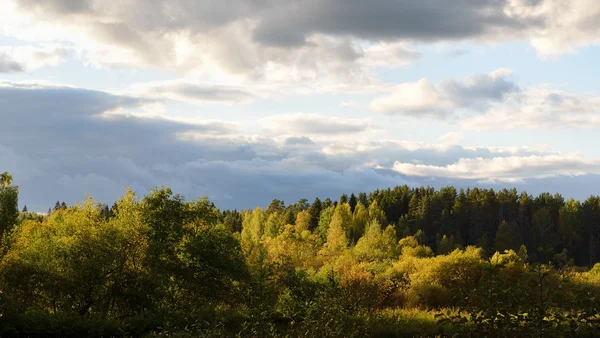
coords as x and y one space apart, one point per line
445 246
325 220
504 239
353 202
9 203
315 213
570 224
543 233
403 227
376 214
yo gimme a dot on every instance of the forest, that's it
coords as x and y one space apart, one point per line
398 262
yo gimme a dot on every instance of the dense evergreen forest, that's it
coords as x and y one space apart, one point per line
400 262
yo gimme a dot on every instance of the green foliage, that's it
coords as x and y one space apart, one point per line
325 221
512 300
376 245
161 266
9 203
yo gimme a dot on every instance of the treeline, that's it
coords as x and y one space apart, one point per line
393 263
551 228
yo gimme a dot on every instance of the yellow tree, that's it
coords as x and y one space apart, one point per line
336 243
359 221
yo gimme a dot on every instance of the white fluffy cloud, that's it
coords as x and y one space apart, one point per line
426 99
558 26
492 101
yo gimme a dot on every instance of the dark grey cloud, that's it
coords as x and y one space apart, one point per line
290 23
426 20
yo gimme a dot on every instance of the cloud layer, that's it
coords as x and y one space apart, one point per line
82 141
294 40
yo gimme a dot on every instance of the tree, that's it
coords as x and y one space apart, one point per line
376 245
303 221
360 217
377 214
445 246
25 209
570 228
315 213
275 206
344 198
9 203
327 203
273 225
252 232
78 263
337 242
362 198
233 220
504 239
403 227
325 221
353 202
543 232
343 215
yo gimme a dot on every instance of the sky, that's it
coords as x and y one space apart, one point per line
245 101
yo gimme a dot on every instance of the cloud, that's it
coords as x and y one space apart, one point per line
451 138
388 20
81 141
562 26
506 169
426 99
158 33
540 108
8 65
181 90
491 101
314 124
28 58
202 39
328 44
